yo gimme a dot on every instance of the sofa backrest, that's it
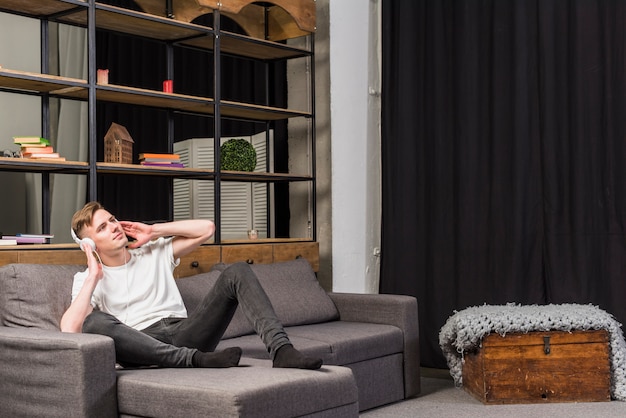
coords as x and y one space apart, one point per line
291 286
35 295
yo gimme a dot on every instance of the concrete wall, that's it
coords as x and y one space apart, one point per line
19 114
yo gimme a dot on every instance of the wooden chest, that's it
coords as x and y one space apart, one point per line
540 367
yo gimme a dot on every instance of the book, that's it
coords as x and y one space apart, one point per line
8 241
47 149
30 140
45 158
35 235
159 157
166 164
25 240
35 145
160 160
54 155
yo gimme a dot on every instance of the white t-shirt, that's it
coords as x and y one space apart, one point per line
142 291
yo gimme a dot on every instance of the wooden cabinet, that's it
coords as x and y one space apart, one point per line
271 28
200 260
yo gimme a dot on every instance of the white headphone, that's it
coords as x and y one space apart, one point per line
86 241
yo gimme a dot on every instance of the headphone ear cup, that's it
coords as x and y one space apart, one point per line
84 241
89 242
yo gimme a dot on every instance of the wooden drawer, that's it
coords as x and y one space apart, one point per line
8 257
43 254
291 251
540 367
252 254
198 261
53 257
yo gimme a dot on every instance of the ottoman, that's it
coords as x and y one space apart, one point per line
254 389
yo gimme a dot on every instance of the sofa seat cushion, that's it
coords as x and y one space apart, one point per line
251 390
35 295
291 286
336 342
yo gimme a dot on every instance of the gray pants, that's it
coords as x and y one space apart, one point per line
172 342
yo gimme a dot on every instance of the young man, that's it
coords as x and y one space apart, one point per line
137 302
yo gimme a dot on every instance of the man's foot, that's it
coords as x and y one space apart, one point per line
289 357
217 359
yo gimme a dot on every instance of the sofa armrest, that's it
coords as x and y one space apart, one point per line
50 373
396 310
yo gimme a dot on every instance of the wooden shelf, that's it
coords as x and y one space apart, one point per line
245 46
134 23
263 241
191 173
258 112
41 8
72 88
146 25
186 103
261 177
139 170
40 166
153 98
42 83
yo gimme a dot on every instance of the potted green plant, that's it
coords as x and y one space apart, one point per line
237 154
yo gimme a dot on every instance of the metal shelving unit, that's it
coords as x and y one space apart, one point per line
93 15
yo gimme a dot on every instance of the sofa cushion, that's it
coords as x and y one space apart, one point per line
336 342
253 390
35 295
291 286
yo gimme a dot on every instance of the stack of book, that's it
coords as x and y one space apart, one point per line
160 160
37 148
19 239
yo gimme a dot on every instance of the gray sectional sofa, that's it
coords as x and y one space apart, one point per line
369 344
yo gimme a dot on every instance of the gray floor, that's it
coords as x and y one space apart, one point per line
439 398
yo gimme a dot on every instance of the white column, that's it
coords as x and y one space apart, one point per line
355 139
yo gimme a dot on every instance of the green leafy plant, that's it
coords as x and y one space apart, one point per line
237 155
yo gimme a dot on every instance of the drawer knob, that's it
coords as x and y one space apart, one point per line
250 261
195 264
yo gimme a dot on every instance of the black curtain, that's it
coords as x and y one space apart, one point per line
503 150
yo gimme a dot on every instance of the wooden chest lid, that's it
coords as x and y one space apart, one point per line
538 338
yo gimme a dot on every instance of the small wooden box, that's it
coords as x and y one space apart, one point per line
540 367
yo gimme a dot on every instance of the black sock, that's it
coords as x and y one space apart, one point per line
217 359
289 357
